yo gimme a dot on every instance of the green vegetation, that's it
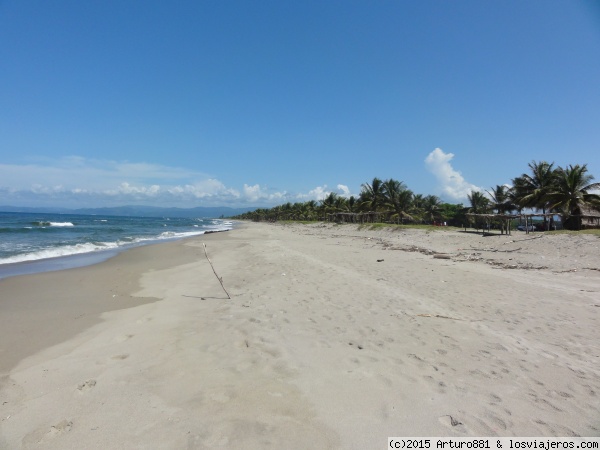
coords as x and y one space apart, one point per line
395 226
549 190
563 191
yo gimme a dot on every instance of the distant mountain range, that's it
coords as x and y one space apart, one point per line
138 211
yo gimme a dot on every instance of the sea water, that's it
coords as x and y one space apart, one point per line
33 242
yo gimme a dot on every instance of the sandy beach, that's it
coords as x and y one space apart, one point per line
334 337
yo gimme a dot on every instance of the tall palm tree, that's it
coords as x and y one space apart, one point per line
372 195
479 202
570 194
516 193
532 190
398 199
431 208
418 207
501 199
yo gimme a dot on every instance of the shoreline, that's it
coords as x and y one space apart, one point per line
105 285
335 337
76 260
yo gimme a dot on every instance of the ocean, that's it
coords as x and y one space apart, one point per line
37 242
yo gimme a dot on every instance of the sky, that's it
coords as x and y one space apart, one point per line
239 103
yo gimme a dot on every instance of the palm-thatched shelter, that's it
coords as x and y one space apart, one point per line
590 218
503 219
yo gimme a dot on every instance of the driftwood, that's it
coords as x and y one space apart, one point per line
438 316
215 272
495 250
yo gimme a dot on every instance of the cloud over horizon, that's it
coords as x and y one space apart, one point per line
452 184
75 182
78 182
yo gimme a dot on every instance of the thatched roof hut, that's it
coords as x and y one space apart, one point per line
590 218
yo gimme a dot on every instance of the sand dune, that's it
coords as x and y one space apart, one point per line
335 337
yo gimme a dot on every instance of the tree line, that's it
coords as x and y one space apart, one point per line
546 189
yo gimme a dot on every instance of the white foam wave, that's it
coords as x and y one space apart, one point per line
59 224
57 252
76 249
175 235
219 225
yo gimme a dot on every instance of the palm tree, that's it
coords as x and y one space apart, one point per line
501 199
371 195
284 212
309 209
331 203
479 203
418 207
531 191
341 203
570 194
351 204
432 208
398 198
516 193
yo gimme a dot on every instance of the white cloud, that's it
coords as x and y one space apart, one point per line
344 191
257 193
78 182
253 193
451 182
318 193
321 192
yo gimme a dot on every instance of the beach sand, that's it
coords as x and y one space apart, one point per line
334 337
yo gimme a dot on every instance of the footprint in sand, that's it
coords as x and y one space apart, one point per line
495 399
43 434
450 422
86 386
124 337
61 427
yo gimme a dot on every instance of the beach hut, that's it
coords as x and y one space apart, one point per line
590 218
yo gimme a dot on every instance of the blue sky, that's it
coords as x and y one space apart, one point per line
238 103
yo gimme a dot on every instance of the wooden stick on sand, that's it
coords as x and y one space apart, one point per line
215 272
